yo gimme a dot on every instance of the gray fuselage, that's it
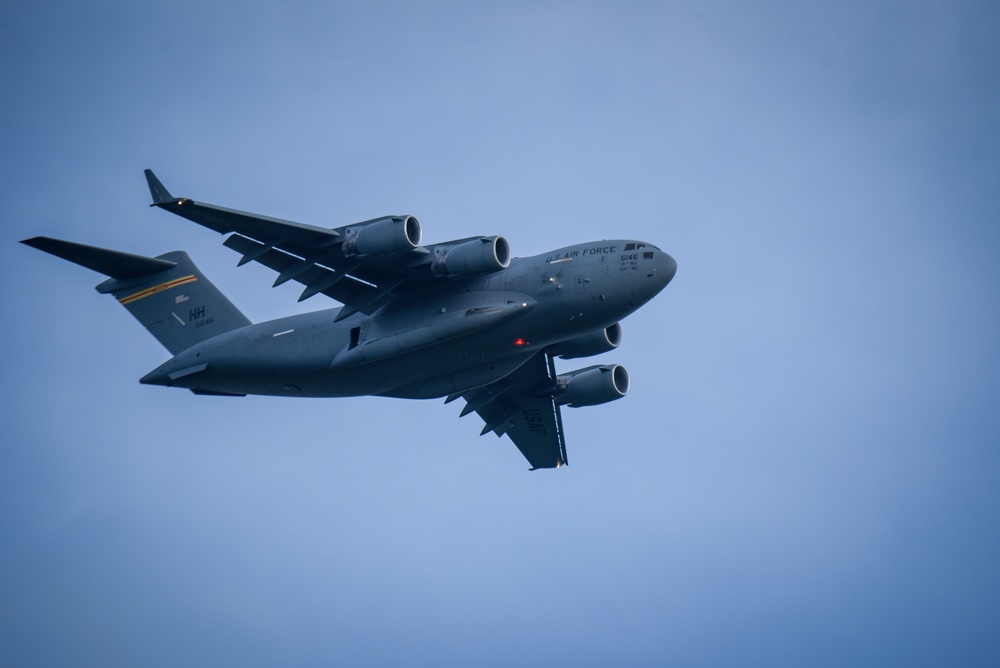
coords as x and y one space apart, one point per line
449 337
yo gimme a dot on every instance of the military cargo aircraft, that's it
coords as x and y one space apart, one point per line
459 319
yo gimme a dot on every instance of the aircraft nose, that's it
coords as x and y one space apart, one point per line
667 268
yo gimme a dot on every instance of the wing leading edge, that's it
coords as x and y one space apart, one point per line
523 406
312 256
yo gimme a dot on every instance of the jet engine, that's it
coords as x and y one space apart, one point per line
592 386
592 343
484 255
384 236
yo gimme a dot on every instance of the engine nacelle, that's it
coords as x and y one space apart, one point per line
593 385
589 344
395 234
472 258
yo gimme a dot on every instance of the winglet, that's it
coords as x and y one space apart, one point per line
160 194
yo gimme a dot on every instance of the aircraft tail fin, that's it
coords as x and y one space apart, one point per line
168 294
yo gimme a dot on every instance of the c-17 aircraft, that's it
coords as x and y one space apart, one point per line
459 319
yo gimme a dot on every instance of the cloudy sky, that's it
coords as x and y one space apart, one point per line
805 471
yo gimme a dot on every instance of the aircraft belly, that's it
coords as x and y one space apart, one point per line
443 372
474 341
401 333
303 368
480 358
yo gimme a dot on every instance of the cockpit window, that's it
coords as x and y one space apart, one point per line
636 245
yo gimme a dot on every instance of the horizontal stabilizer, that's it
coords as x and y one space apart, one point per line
182 373
115 264
212 393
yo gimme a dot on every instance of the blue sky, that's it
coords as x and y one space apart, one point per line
803 474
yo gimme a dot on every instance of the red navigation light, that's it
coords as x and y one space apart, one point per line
520 342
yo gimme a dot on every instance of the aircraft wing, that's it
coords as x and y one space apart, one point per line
312 256
522 406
